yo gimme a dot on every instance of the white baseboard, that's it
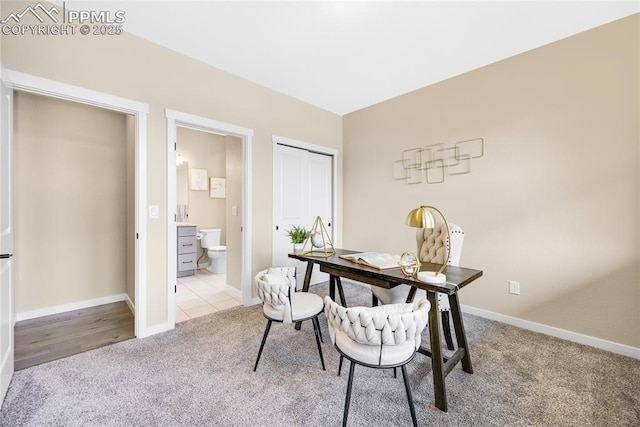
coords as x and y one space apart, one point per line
613 347
130 303
32 314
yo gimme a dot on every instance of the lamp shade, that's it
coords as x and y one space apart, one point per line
421 218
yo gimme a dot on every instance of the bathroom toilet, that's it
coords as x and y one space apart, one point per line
217 254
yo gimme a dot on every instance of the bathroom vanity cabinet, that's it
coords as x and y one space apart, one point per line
187 250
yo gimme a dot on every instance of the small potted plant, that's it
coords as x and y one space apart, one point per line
298 235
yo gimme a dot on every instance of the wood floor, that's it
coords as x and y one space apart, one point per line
61 335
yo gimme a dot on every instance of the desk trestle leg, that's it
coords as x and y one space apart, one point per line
461 335
437 363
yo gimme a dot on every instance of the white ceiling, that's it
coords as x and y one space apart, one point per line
344 56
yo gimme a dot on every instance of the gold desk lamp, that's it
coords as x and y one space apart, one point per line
423 218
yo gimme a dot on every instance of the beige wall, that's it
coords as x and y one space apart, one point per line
134 68
554 201
203 150
70 202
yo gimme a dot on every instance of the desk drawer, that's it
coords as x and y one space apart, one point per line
187 262
187 244
186 230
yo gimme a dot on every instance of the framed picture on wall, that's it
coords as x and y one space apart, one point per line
198 179
216 188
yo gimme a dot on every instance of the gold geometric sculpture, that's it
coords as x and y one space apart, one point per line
410 264
318 244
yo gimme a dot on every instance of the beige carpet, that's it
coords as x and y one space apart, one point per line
200 374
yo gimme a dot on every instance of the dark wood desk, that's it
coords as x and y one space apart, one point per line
457 278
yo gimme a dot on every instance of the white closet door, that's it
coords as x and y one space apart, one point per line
303 190
6 242
321 189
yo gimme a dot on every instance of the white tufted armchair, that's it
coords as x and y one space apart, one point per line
281 303
381 337
432 244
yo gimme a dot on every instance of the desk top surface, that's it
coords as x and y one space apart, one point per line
457 277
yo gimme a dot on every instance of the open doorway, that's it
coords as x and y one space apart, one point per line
208 197
237 205
74 226
16 81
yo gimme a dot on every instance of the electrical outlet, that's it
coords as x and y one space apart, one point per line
514 287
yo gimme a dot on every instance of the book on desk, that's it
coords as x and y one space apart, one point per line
381 261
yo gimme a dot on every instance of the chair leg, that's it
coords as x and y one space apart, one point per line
340 364
395 375
407 388
316 329
319 331
374 300
446 329
348 399
264 339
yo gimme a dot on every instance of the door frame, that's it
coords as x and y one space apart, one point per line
191 121
7 319
18 81
333 152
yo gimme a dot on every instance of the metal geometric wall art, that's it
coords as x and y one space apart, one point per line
432 163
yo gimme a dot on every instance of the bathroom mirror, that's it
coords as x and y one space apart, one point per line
182 187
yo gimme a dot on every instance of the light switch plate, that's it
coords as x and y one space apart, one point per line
154 211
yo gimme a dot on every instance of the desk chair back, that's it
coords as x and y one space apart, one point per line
281 303
381 337
432 245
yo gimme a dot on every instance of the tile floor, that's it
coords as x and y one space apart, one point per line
201 294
